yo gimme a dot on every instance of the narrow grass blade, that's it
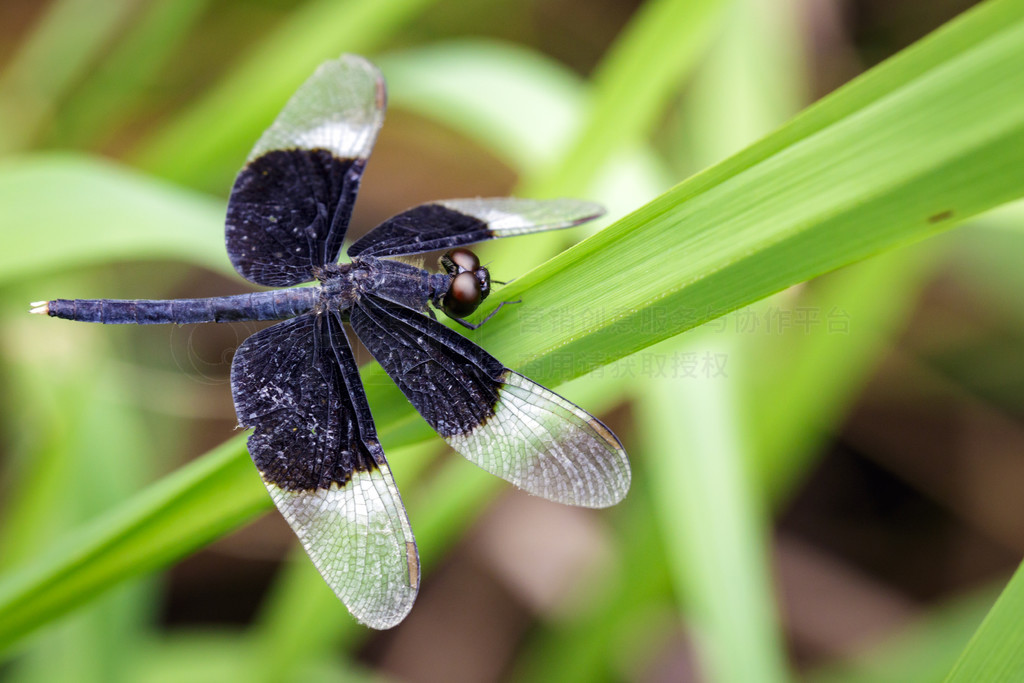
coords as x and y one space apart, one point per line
996 652
101 212
526 110
518 104
599 643
631 87
922 652
85 434
112 94
697 443
713 521
861 172
811 379
184 511
57 52
988 257
752 79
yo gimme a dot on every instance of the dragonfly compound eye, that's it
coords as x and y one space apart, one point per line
464 295
460 261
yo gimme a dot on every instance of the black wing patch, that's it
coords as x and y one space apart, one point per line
457 222
316 448
286 211
505 423
291 203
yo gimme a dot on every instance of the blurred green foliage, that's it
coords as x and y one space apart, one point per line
111 150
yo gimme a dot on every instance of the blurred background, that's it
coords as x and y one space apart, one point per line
826 484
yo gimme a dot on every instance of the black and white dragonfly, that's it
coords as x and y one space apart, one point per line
296 382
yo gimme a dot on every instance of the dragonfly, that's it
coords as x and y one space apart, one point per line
296 382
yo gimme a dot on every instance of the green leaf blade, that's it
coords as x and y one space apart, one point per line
996 652
946 145
106 212
181 513
209 141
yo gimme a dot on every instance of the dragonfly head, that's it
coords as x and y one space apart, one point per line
470 283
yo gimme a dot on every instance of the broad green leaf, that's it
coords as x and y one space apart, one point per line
902 153
914 146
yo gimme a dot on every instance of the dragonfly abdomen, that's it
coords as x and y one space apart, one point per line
271 305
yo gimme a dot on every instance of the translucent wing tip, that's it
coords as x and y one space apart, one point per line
403 599
582 209
340 108
358 537
548 446
618 484
352 62
509 216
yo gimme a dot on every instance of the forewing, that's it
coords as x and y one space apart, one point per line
316 449
291 203
496 418
457 222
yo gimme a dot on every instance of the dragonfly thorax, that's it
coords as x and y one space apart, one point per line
338 282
